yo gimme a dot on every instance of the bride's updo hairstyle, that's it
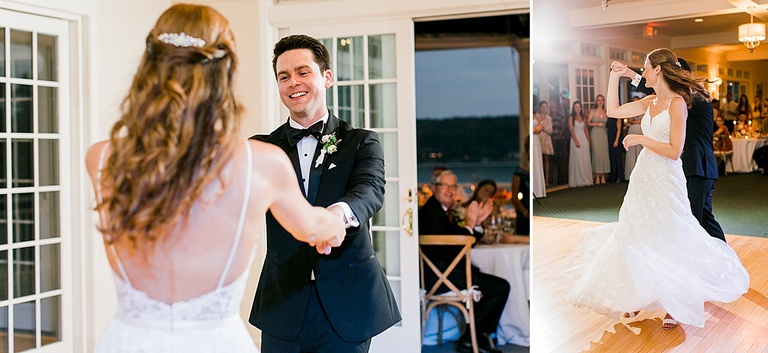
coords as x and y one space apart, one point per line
178 125
678 79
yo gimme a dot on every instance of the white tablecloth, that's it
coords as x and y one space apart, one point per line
511 262
742 154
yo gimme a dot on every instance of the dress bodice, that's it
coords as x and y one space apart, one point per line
656 127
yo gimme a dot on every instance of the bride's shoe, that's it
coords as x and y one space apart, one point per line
668 323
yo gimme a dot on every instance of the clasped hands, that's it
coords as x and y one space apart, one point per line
338 231
620 69
476 212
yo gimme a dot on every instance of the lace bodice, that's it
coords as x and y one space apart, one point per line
220 303
656 127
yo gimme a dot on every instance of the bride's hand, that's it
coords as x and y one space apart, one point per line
620 70
631 140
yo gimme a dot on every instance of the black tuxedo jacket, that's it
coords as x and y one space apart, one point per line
434 221
351 285
698 156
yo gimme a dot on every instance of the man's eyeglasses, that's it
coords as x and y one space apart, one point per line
451 187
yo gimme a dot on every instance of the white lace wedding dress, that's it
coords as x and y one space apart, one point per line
657 255
209 323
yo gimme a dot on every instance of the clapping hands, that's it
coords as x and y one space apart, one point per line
477 212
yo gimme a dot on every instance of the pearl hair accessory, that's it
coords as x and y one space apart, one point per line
181 40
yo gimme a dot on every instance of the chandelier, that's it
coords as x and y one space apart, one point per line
751 34
604 4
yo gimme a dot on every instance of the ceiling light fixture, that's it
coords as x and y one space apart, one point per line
604 4
751 34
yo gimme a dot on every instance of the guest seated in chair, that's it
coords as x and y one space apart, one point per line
436 218
722 136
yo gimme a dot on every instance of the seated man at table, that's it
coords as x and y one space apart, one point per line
435 217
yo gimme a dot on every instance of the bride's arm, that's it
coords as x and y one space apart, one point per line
678 113
612 107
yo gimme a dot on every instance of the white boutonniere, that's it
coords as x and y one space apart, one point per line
330 145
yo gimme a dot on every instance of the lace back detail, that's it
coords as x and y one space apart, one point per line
221 303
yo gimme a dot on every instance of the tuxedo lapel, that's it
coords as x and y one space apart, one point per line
315 174
293 155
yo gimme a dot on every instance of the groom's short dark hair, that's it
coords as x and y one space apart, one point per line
301 41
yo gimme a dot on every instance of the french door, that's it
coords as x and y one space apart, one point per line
35 289
374 89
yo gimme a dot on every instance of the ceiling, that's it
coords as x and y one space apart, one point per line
674 20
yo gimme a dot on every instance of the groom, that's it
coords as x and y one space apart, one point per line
305 301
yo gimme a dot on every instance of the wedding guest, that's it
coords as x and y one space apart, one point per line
580 163
757 110
561 143
744 107
181 197
544 130
633 151
537 174
729 111
435 218
615 151
598 137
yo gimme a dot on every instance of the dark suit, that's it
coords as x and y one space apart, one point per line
350 286
434 220
699 164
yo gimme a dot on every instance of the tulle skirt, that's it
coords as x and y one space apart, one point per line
656 256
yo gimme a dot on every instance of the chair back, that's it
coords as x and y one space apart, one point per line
461 299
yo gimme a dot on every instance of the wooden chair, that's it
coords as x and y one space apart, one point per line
723 150
464 300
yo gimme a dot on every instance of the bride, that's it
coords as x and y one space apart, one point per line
182 198
656 256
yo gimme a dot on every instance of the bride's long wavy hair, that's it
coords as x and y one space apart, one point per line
176 129
678 79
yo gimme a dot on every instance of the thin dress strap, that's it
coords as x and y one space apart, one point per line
101 213
241 222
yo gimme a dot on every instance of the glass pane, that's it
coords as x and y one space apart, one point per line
50 319
389 144
395 284
23 167
23 217
351 105
23 272
328 43
46 54
389 214
2 74
387 248
3 282
49 162
329 98
47 110
3 220
24 326
383 105
21 54
4 329
49 208
50 262
2 107
21 108
3 165
381 56
349 58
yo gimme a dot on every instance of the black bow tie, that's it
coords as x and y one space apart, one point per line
295 135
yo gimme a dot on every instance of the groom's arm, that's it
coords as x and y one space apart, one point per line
365 187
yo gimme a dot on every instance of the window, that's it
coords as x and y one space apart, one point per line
32 215
585 86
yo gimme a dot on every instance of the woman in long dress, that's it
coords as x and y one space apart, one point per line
537 167
544 133
579 162
597 120
633 151
657 255
182 198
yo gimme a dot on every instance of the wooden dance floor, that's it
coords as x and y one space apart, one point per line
556 326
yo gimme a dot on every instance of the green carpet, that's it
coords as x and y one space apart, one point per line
740 203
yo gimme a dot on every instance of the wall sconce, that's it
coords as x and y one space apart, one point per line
751 34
